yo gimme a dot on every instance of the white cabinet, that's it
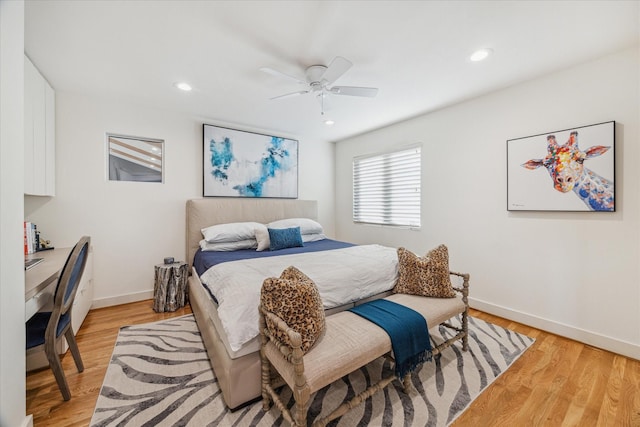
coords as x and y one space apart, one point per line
39 133
81 306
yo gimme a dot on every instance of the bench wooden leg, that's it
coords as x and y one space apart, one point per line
407 384
300 412
465 330
465 313
265 365
301 395
266 381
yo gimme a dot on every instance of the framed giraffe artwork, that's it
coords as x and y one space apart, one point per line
567 170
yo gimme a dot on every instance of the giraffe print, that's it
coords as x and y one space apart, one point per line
565 164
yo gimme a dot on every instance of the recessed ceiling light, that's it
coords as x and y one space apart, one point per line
329 122
480 54
183 86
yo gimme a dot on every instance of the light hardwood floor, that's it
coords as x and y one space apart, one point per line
557 382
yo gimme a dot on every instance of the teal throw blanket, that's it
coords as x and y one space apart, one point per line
407 329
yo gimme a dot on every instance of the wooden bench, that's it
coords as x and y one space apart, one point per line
349 343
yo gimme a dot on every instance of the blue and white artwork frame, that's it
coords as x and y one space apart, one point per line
238 163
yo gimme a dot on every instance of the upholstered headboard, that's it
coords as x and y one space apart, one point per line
202 213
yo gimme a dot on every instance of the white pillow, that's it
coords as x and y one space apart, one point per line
228 246
231 232
262 236
307 226
313 237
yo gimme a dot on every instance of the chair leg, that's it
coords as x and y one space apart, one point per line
73 346
56 367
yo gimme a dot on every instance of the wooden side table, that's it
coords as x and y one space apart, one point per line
170 286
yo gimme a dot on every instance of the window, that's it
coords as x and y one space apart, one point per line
134 159
386 188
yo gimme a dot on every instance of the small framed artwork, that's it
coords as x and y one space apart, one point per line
566 170
237 163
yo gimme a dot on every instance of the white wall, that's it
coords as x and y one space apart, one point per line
135 225
12 335
575 274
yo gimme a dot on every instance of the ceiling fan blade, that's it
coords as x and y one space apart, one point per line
281 74
290 95
337 68
369 92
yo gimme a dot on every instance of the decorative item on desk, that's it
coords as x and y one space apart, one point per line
45 245
42 244
169 260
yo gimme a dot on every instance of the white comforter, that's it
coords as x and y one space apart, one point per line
341 275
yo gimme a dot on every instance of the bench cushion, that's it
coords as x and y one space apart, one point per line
351 341
434 310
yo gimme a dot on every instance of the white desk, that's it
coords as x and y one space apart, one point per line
40 284
40 280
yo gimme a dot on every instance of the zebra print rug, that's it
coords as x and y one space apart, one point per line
160 375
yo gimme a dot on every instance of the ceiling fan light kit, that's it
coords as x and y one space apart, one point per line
319 79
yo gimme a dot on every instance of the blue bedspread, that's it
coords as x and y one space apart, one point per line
204 260
407 329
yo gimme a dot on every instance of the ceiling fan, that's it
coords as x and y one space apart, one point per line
319 78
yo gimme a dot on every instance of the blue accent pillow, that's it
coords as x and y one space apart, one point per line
282 238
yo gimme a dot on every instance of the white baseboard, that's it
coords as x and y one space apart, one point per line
28 421
121 299
597 340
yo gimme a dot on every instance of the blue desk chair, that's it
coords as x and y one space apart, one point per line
46 328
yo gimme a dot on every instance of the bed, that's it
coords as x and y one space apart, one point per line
236 362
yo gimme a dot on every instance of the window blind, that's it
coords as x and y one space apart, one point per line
386 188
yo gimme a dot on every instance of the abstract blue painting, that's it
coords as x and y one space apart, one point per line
247 164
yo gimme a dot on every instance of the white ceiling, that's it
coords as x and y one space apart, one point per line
415 52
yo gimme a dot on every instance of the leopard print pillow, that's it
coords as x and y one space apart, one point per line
295 299
427 276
